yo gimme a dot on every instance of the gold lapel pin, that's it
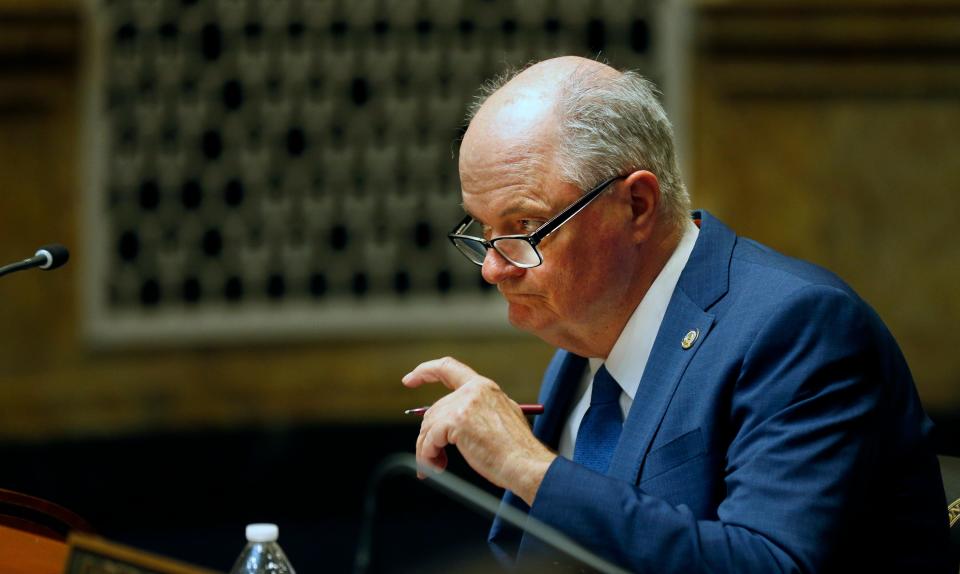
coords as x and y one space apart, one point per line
690 338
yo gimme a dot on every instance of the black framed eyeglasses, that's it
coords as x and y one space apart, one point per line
520 250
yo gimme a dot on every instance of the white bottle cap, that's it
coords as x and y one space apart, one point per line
262 533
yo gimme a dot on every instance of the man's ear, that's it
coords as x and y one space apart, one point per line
644 190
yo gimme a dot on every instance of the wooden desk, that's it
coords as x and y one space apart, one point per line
25 553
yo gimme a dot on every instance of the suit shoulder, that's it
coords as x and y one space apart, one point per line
765 283
755 262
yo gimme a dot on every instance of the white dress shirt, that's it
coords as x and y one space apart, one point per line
629 355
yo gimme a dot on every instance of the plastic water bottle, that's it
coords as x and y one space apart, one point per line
262 554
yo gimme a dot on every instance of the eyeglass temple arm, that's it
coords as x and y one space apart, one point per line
567 214
462 225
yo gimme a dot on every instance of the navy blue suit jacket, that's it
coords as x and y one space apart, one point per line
788 438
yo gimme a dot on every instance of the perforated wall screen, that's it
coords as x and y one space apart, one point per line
263 168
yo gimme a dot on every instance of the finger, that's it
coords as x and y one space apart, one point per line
428 423
426 469
432 450
425 426
420 474
426 456
420 441
424 464
450 372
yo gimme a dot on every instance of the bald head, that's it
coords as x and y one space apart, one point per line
520 117
579 118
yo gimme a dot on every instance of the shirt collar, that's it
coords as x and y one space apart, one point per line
628 357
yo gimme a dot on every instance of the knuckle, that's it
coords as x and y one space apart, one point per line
489 384
459 415
484 386
469 395
447 362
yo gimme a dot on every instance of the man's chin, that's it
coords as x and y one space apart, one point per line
525 318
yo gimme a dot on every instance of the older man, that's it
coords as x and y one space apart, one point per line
714 406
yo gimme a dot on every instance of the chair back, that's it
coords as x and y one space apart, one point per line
37 516
950 470
33 534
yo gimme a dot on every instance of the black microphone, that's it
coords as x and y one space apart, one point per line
473 497
47 257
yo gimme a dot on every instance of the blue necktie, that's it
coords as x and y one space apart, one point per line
601 425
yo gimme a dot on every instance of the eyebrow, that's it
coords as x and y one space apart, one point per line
525 205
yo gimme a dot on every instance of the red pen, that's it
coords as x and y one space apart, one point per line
527 410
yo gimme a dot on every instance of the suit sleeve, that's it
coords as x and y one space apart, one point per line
801 415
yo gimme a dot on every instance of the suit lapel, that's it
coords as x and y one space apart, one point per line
704 280
668 360
558 399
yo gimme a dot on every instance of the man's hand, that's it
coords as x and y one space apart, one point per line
487 427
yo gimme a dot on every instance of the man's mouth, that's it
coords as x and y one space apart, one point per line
515 294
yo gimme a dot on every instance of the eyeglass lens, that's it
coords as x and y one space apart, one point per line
516 251
474 250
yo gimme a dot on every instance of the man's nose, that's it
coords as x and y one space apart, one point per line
497 269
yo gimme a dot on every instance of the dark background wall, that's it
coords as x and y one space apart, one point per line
826 130
189 494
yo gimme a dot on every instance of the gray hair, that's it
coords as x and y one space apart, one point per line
611 126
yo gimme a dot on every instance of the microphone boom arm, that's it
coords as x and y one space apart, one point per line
451 485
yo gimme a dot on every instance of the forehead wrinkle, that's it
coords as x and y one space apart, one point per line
524 205
496 175
513 160
520 166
